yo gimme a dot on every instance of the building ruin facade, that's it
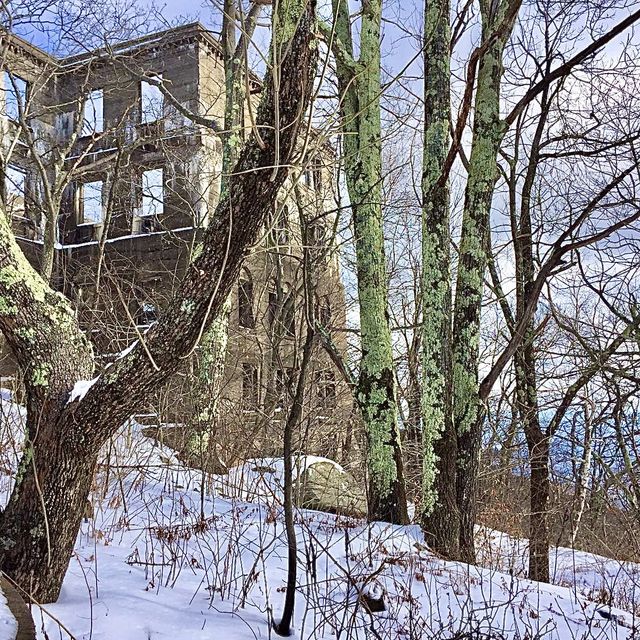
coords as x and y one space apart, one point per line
112 165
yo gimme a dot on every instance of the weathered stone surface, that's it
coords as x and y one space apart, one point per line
325 486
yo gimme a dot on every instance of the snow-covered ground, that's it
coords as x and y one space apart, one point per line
170 556
8 624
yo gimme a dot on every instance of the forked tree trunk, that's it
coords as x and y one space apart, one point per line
39 526
360 89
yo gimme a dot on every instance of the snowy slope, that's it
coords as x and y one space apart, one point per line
150 566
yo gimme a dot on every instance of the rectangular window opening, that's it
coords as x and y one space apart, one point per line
151 101
15 184
326 388
15 95
245 304
152 193
284 380
281 316
91 203
93 113
307 176
324 313
316 167
288 317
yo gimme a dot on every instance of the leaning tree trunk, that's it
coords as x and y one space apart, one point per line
440 518
39 526
360 88
42 517
488 131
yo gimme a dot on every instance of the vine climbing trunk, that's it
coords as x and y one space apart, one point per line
360 88
213 349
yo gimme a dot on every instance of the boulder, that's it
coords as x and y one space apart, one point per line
324 485
194 449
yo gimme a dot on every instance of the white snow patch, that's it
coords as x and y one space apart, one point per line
80 389
8 624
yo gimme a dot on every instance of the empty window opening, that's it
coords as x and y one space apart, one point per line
245 304
152 193
281 314
15 181
326 388
288 317
324 312
147 314
91 204
316 167
307 177
93 118
15 95
151 101
284 381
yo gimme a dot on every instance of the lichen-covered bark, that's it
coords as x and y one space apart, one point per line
488 131
53 354
360 93
439 442
39 525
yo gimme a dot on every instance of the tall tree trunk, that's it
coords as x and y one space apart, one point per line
39 526
360 91
488 131
440 517
538 446
413 423
211 364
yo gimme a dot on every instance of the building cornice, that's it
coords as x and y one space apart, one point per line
19 45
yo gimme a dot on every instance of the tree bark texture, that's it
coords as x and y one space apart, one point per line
360 89
439 508
488 132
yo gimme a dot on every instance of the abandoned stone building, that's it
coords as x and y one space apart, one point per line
109 181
